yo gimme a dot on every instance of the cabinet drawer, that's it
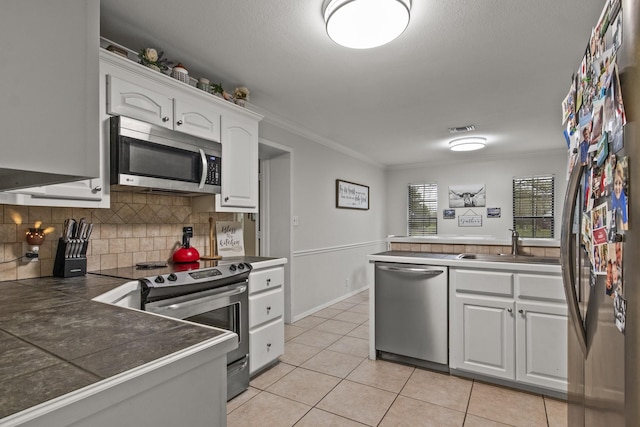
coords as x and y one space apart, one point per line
265 307
483 282
540 287
266 344
266 279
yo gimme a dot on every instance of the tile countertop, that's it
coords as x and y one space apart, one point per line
449 260
55 340
473 240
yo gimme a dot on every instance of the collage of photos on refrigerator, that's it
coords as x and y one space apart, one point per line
594 119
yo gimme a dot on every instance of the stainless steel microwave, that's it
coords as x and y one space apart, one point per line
150 157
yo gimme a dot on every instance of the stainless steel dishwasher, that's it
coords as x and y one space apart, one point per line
412 314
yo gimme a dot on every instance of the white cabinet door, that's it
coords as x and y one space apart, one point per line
541 339
239 164
196 118
135 101
88 193
482 336
49 92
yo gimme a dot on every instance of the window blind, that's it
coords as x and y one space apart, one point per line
533 206
423 209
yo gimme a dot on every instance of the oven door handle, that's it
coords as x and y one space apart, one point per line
210 295
203 176
237 366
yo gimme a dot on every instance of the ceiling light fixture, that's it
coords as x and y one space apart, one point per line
363 24
467 144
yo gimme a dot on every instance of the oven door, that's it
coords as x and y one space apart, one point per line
224 307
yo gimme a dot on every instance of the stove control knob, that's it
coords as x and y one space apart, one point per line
159 279
172 277
232 267
241 266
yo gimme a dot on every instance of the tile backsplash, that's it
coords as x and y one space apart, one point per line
137 227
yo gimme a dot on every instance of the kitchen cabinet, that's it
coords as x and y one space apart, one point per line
484 333
192 116
509 325
49 121
239 165
141 93
266 317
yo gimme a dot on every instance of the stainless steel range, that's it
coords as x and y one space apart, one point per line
212 293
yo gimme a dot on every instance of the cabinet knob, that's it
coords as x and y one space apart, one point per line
179 122
268 309
268 282
509 310
521 311
97 189
268 346
165 119
226 199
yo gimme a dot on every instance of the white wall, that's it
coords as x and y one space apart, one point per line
497 176
329 244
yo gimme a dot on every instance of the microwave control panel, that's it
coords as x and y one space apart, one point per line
214 166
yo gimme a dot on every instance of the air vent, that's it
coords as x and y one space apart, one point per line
462 129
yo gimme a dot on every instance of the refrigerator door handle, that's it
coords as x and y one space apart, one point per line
567 256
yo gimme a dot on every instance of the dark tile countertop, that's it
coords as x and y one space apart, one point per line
54 339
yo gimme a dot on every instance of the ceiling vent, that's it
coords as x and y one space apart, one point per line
462 129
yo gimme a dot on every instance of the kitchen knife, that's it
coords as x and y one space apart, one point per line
71 225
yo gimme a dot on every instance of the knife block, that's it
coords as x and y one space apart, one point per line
66 266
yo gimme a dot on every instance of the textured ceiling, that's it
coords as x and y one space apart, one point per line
502 65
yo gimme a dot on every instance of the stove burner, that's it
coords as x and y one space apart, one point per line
151 264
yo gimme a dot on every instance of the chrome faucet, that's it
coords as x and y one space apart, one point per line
514 241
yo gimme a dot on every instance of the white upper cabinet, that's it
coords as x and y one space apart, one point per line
132 100
239 165
197 118
49 87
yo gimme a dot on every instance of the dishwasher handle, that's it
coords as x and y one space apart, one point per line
410 270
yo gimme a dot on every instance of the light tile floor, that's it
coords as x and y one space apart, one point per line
325 379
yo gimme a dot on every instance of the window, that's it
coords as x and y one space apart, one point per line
533 206
423 209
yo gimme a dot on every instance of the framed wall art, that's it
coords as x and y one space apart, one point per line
467 196
350 195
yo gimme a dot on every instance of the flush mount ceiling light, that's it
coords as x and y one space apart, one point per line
467 144
363 24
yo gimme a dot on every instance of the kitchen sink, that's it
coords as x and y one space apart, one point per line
528 259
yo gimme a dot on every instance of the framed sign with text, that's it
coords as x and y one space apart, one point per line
350 195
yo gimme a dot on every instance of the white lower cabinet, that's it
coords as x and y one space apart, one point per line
485 338
515 329
266 317
542 344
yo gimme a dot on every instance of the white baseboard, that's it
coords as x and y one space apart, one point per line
327 304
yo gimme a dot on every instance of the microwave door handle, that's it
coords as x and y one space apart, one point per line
203 177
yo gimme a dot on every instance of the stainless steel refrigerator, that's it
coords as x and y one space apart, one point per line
604 334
